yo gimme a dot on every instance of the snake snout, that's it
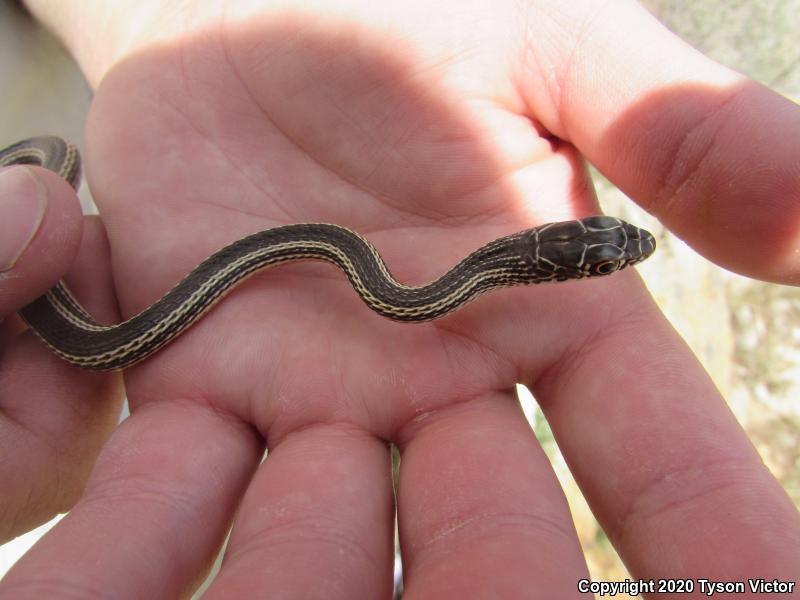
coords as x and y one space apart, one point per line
617 247
648 243
640 244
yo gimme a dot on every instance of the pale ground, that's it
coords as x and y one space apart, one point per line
746 333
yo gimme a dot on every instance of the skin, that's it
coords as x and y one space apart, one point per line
431 128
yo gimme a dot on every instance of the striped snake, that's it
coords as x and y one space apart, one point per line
588 247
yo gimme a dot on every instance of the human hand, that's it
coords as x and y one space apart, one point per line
431 129
53 419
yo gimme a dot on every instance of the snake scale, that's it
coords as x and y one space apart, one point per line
588 247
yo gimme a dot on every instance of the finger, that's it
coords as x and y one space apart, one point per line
481 513
708 151
319 510
666 468
41 234
54 417
154 513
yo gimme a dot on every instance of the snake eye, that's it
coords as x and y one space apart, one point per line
607 267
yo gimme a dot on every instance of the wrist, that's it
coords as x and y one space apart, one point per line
99 33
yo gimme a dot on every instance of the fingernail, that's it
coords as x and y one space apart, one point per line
23 200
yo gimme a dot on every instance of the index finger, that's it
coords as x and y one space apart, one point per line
707 150
660 458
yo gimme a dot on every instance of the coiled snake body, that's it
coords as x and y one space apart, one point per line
588 247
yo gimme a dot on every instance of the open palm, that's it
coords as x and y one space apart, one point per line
430 140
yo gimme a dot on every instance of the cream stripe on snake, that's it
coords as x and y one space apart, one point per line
588 247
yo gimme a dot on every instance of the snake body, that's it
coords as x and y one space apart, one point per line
593 246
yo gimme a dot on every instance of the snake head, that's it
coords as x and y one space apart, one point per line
589 247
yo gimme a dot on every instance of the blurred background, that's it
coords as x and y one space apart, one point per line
746 333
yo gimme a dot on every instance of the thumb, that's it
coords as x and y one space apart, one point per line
40 232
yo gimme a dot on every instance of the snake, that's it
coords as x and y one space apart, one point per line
593 246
